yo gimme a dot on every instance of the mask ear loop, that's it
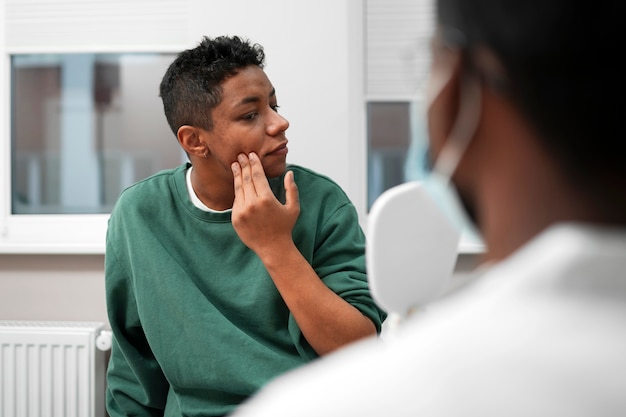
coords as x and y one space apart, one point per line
463 129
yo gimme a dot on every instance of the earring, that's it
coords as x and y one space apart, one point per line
206 154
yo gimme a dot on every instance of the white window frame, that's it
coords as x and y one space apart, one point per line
52 233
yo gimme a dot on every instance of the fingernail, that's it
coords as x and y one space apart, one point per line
252 155
235 167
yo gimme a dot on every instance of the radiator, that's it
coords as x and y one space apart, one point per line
52 369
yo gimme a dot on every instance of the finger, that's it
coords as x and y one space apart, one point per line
237 181
261 184
292 196
246 175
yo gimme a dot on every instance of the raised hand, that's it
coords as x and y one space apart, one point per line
262 222
265 225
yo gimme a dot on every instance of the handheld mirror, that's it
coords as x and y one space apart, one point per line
411 248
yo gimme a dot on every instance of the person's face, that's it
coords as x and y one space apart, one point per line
247 120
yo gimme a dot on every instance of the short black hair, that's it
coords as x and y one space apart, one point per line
561 59
191 86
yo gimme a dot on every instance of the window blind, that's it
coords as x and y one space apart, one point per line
397 39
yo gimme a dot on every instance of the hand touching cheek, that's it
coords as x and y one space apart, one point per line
262 222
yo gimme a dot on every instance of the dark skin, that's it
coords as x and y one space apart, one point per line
232 162
515 186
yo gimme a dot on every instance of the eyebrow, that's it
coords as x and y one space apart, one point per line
256 99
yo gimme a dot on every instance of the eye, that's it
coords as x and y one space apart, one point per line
250 116
275 107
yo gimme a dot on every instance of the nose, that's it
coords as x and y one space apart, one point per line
278 124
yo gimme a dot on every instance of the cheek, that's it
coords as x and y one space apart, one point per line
245 141
439 101
437 128
226 151
441 115
231 145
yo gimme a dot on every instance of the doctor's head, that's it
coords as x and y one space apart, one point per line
531 93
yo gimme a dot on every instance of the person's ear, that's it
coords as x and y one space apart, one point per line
491 71
190 140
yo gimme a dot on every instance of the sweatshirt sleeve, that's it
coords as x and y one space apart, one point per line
338 258
135 383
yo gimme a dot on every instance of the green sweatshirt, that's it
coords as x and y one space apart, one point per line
198 324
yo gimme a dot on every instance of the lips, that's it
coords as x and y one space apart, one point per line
280 150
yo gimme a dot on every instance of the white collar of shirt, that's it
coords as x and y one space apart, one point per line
194 198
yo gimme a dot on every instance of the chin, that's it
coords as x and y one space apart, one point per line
272 171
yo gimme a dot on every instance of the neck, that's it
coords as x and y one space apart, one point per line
215 189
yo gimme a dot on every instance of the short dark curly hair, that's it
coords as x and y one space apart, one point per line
191 86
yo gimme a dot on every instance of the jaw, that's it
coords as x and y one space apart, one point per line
274 166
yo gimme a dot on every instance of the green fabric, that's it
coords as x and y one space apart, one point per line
198 324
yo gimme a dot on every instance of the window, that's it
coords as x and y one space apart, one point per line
80 116
397 37
84 127
389 133
397 62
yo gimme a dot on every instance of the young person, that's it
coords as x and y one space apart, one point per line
220 274
527 96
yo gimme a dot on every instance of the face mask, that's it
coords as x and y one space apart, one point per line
414 229
438 175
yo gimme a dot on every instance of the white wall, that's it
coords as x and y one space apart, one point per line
52 287
71 287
